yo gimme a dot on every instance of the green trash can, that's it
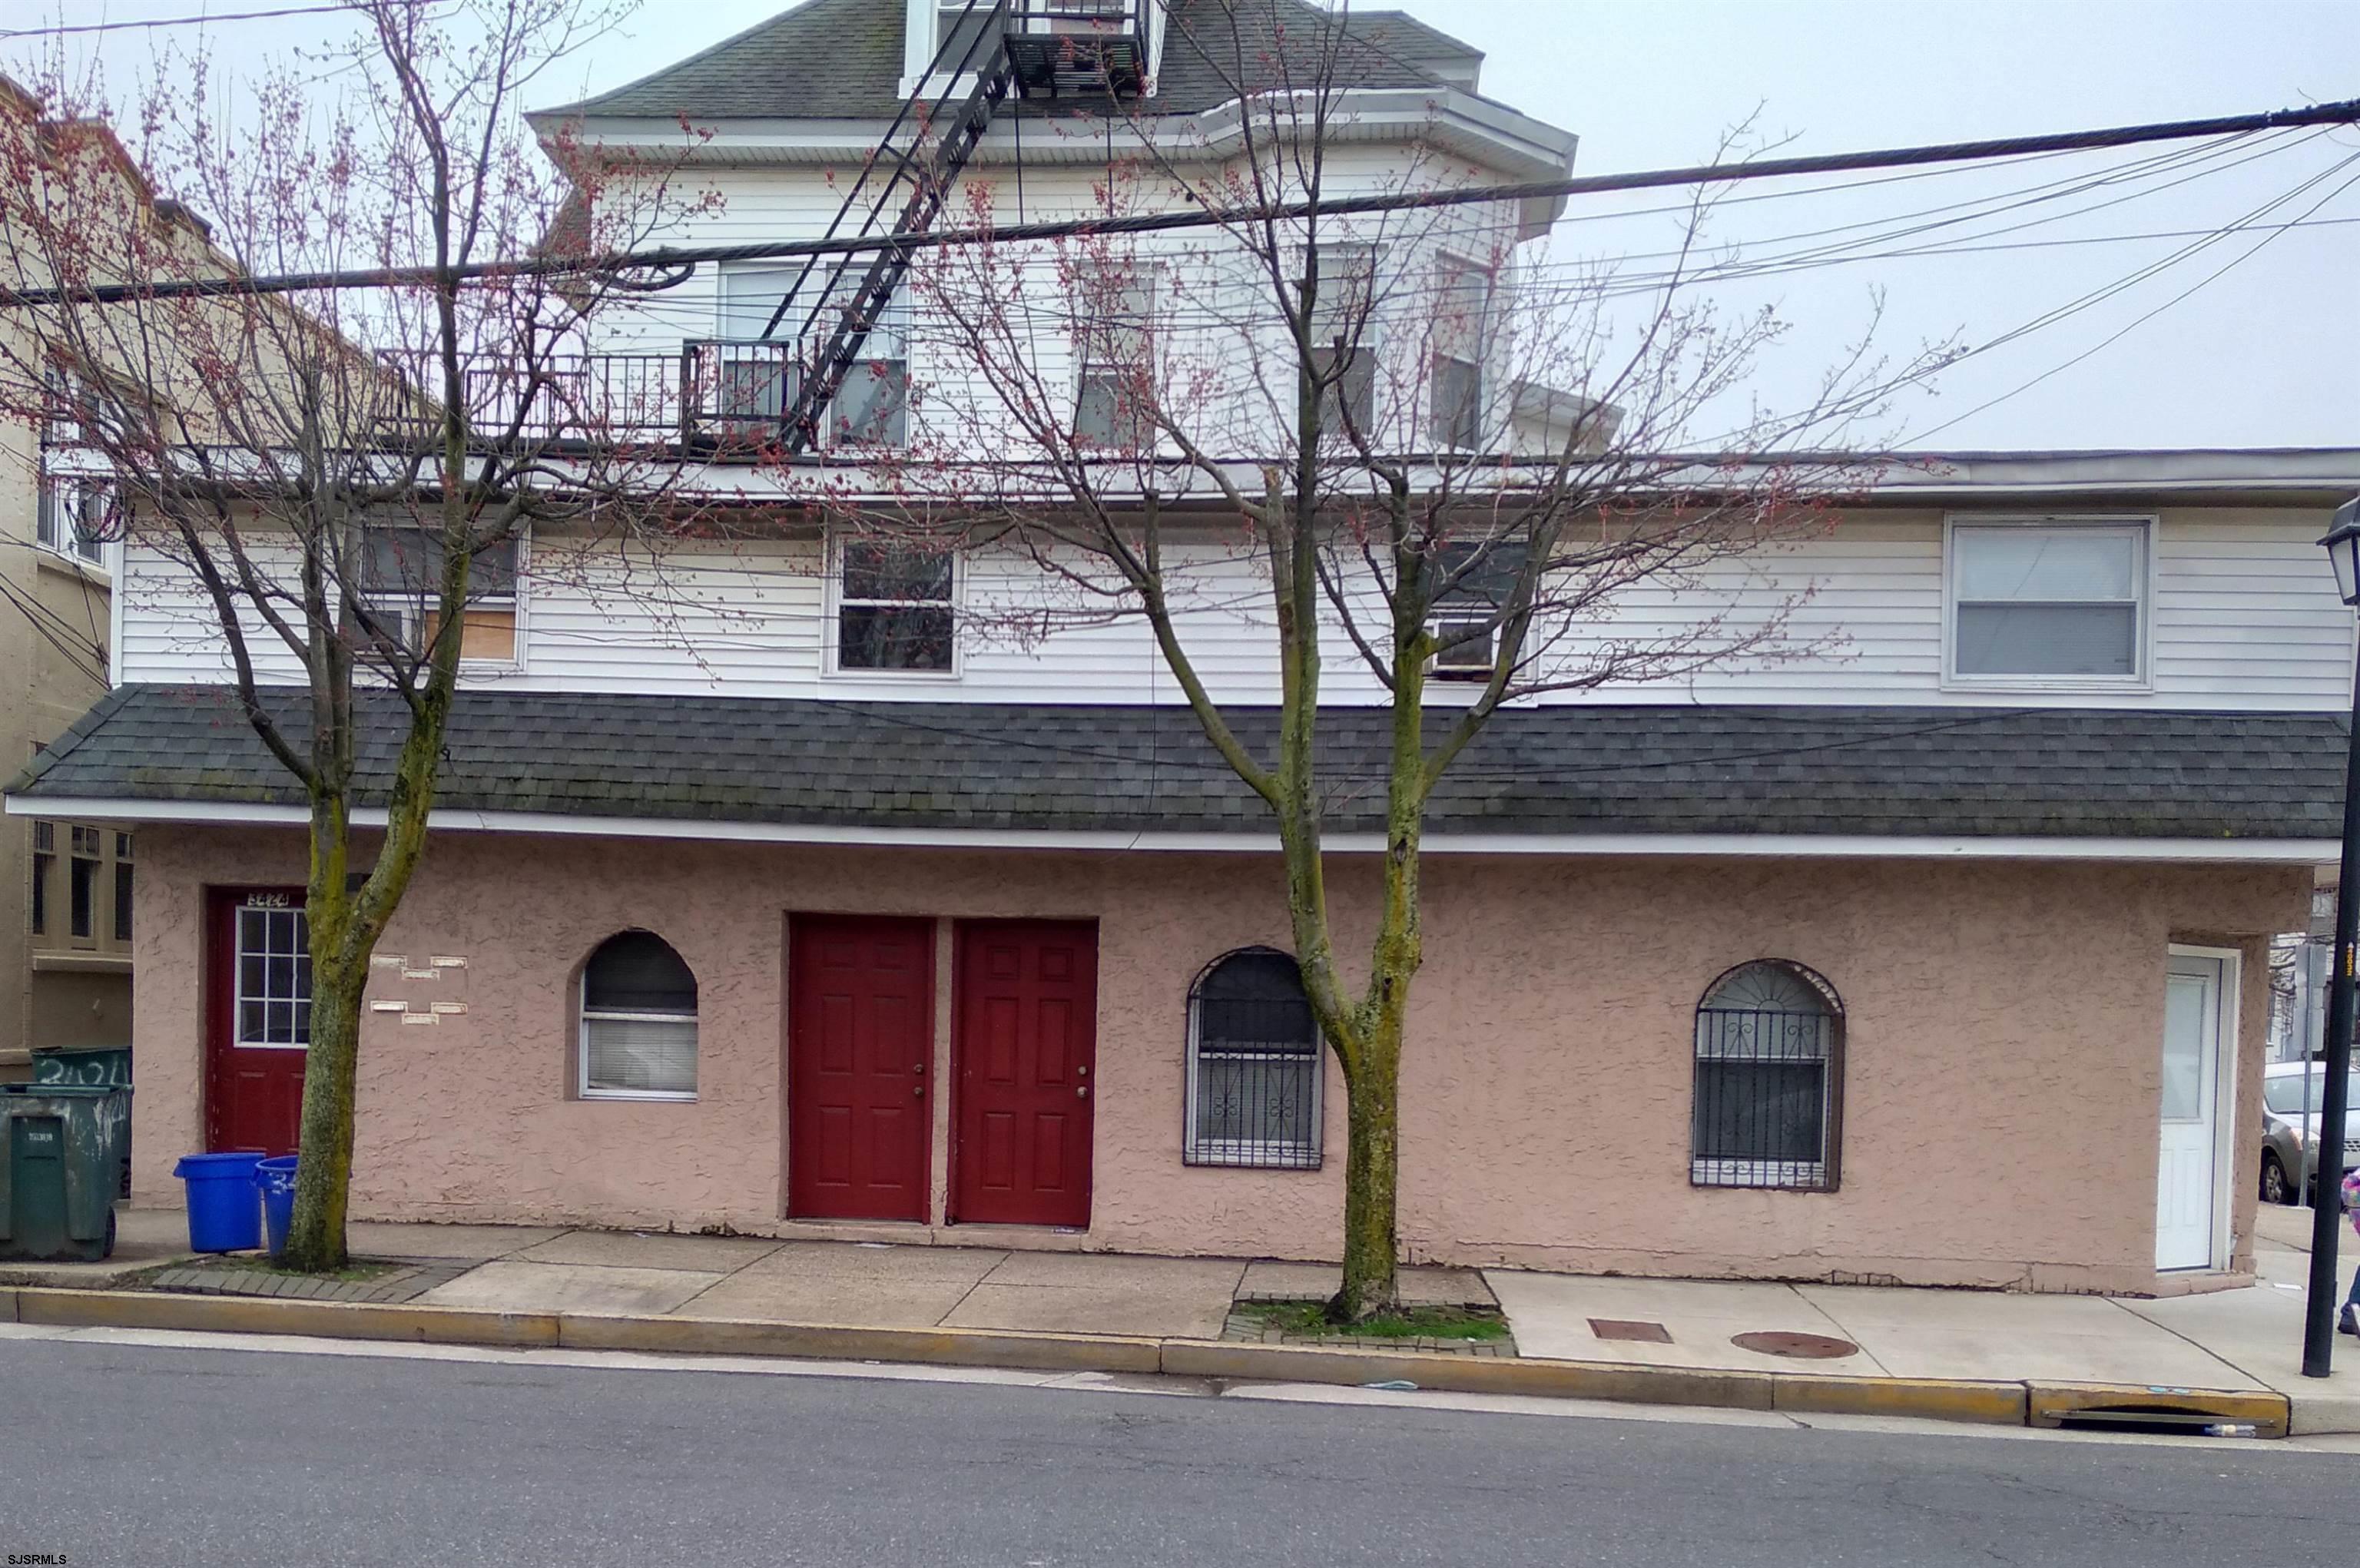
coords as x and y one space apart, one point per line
97 1067
61 1151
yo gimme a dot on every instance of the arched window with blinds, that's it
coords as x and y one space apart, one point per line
1254 1069
1769 1080
639 1021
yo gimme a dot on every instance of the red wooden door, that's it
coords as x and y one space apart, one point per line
259 1021
861 1033
1025 1052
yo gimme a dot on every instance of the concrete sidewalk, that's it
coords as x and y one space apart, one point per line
2241 1341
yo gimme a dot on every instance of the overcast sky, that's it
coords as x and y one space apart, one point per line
2264 356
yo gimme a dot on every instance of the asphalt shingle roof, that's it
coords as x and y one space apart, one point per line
841 60
1945 772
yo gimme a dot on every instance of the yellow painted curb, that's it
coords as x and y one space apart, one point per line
1471 1373
2048 1404
272 1315
7 1306
1928 1398
939 1348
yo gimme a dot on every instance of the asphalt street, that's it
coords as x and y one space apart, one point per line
122 1454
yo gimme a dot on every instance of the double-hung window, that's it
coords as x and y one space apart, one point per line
1344 344
70 518
1465 621
2048 601
401 582
896 608
1115 393
1462 346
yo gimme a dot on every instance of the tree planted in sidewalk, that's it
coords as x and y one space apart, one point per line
1398 441
344 480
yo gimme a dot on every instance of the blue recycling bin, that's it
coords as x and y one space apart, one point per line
276 1177
224 1212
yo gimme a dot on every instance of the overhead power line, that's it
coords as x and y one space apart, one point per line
141 23
674 257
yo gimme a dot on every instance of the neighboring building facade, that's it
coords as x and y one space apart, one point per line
780 886
65 949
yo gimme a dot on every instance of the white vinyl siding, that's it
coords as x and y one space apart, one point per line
2245 616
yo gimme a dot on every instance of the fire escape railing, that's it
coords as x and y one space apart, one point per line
919 179
1023 46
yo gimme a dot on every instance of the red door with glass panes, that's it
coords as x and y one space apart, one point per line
1025 1048
860 1050
258 1020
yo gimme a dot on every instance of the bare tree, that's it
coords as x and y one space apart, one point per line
1448 463
343 479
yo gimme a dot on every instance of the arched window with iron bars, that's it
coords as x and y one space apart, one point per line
1769 1081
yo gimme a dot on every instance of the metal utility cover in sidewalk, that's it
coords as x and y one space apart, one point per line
1628 1329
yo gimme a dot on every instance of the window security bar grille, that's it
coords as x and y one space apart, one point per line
1255 1087
1764 1098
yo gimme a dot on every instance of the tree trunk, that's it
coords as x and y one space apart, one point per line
1371 1179
315 1237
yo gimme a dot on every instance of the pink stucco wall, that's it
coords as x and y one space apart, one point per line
2001 1086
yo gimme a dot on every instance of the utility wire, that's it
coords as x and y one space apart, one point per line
674 257
136 24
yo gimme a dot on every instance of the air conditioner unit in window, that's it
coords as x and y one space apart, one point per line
1464 648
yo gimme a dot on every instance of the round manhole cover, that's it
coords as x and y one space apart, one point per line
1803 1347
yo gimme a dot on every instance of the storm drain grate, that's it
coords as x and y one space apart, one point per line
1799 1347
1630 1329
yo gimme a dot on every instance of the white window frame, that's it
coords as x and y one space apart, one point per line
1485 349
1230 1153
60 503
1371 345
832 630
2142 526
267 904
582 1086
1090 343
584 1015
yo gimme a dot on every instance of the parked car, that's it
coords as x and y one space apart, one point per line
2282 1155
2291 1093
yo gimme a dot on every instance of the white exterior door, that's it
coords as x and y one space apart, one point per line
2189 1174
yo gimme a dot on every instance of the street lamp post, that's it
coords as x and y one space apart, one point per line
2343 544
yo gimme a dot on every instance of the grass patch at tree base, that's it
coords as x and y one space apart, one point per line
1309 1319
354 1271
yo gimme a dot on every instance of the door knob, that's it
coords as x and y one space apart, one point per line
918 1090
1082 1091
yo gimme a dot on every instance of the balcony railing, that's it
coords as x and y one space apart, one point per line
707 395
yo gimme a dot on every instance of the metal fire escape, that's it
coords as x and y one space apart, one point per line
1025 46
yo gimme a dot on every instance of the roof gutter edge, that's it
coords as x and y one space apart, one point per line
2315 852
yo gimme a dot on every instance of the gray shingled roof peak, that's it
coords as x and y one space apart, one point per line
1569 770
839 60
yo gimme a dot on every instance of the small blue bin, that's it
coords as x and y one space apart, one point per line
276 1177
223 1215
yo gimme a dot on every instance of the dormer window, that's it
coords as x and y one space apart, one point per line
962 33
